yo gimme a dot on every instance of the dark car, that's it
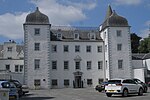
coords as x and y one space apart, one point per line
145 87
101 86
17 84
13 91
21 90
19 87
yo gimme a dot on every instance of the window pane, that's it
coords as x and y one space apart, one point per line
77 48
37 82
37 31
100 64
119 33
119 47
9 49
21 68
54 82
88 48
77 65
66 82
54 64
66 65
89 81
120 64
37 63
99 48
16 68
7 67
89 64
37 46
54 48
66 48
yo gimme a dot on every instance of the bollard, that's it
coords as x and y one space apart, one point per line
4 94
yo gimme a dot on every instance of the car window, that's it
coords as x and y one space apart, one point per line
138 81
5 85
129 81
12 85
114 81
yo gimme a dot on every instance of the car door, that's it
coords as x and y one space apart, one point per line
134 87
130 85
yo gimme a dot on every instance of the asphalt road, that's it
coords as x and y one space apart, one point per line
77 94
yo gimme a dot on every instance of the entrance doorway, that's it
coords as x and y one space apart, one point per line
78 83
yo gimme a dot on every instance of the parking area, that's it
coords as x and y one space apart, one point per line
77 94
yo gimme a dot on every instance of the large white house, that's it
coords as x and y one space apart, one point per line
59 57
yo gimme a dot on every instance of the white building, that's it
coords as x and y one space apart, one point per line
58 57
12 60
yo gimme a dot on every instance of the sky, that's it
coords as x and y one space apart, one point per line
81 13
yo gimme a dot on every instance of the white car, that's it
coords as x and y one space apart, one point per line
123 87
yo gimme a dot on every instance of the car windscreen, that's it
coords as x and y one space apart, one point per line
5 85
114 81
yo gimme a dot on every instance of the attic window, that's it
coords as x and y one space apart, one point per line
76 36
59 36
92 36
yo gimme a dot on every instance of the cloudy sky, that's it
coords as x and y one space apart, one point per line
84 13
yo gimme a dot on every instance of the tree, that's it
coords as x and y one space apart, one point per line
145 45
135 42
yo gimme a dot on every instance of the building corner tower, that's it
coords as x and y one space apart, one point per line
36 50
115 31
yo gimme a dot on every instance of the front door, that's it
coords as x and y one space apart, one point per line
78 82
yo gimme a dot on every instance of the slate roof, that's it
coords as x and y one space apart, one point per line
68 33
113 19
138 56
37 18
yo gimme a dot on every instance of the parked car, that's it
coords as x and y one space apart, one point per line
13 92
21 90
19 86
123 87
101 86
145 87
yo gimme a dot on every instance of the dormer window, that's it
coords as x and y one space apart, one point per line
76 36
92 36
59 36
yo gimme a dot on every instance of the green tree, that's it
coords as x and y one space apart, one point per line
135 42
145 45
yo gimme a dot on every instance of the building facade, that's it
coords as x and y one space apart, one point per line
59 57
12 60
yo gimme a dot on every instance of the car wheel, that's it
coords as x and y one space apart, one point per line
125 93
108 94
99 90
140 92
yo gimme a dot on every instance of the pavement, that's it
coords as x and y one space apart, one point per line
77 94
